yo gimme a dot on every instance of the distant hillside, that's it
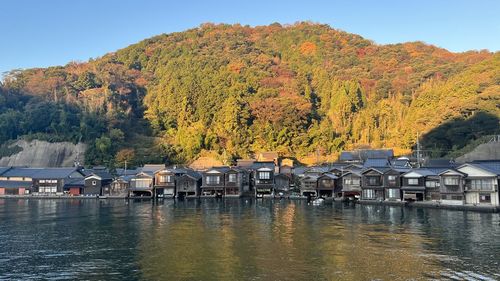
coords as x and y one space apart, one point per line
305 90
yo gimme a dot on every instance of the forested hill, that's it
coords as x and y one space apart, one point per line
303 89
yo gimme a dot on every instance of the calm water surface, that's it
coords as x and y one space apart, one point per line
242 240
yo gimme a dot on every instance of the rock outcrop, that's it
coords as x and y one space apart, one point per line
485 151
45 154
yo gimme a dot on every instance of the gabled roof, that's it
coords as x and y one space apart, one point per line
310 178
127 172
125 178
267 156
328 175
236 169
491 165
245 162
316 169
453 172
264 169
143 174
220 169
173 170
260 164
357 172
101 174
151 168
353 167
192 174
436 170
485 168
380 170
401 163
421 172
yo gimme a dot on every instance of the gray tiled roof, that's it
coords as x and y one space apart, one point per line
424 172
328 175
40 173
222 169
15 184
489 165
192 174
376 162
128 172
151 168
74 182
3 170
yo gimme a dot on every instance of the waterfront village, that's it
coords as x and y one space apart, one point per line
364 176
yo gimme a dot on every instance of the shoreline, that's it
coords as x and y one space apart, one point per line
403 204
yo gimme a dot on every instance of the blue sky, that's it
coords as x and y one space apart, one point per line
54 32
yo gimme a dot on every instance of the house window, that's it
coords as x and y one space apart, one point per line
47 189
213 179
484 198
354 181
166 178
373 180
369 194
412 181
481 184
391 177
392 193
232 178
142 183
94 182
431 184
451 180
265 175
456 197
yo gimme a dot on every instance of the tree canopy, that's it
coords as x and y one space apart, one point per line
298 89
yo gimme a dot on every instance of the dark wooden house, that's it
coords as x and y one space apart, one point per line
392 183
351 184
236 182
263 178
308 185
372 184
98 183
188 184
328 187
165 181
213 182
420 185
282 185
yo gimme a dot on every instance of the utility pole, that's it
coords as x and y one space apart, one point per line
418 152
125 172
